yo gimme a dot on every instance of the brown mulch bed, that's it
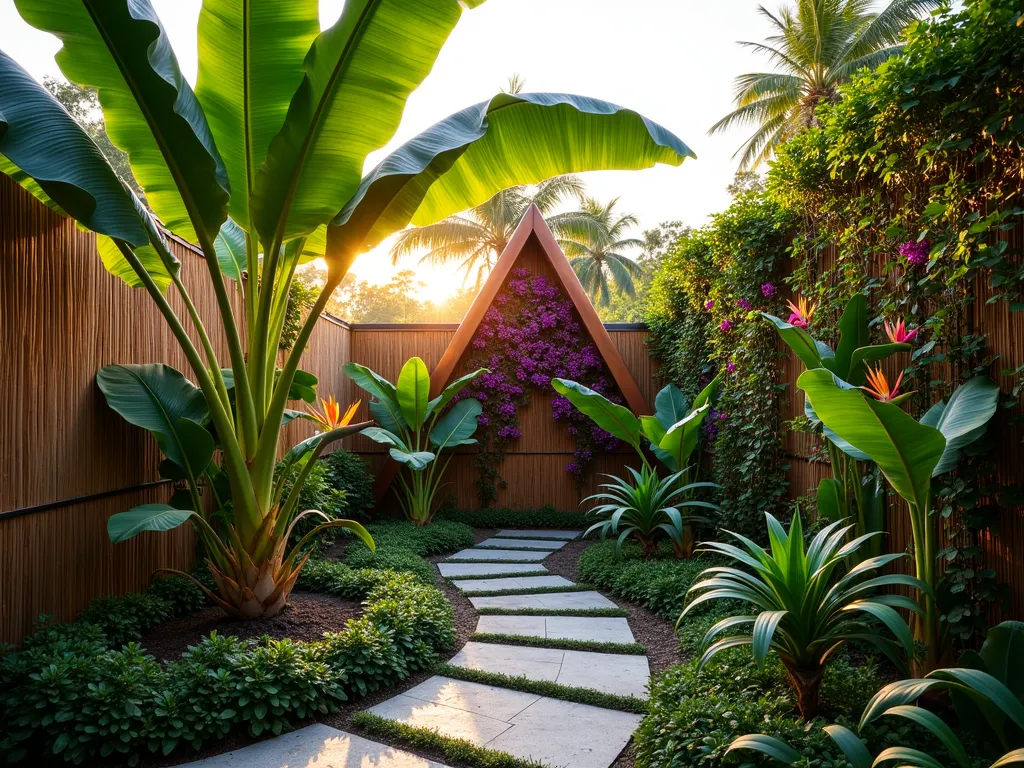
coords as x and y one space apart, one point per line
307 617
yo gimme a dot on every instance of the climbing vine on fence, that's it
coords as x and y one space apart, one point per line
529 335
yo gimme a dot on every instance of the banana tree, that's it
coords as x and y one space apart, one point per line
909 454
417 429
673 433
855 490
261 168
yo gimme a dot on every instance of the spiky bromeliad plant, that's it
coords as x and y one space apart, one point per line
804 615
260 167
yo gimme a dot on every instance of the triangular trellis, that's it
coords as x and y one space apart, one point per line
532 225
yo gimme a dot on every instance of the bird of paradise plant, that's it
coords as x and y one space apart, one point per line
898 333
878 387
260 167
801 312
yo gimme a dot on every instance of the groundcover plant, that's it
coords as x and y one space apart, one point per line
261 167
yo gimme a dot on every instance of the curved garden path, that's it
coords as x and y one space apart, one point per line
552 673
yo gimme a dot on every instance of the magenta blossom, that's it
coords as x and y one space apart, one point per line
726 325
916 251
744 304
709 304
731 367
768 290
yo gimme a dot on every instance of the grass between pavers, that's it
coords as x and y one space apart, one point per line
524 591
491 562
454 750
573 693
606 612
560 643
498 575
515 549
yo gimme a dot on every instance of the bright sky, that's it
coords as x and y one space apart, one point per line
671 60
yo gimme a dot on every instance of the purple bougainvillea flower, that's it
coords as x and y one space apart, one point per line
916 251
709 304
768 290
744 304
731 367
726 325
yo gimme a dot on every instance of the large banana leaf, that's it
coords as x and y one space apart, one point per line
854 333
799 341
511 139
162 401
358 75
609 416
230 247
146 517
250 65
963 419
905 451
48 153
670 405
681 440
457 426
414 392
120 48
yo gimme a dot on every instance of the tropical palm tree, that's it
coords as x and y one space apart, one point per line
594 240
477 237
817 46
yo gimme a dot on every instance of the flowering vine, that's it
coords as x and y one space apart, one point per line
529 335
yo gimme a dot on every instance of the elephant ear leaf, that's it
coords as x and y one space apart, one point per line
609 416
798 340
157 398
120 48
511 139
457 426
670 405
904 450
963 419
854 333
147 517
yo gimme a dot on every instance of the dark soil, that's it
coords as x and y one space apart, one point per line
307 617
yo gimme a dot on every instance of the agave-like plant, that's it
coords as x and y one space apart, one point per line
646 509
804 615
261 168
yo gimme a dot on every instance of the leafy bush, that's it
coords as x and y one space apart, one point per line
69 692
694 716
544 517
317 493
348 472
401 546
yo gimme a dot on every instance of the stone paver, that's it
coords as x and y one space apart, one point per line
457 570
317 746
555 732
496 555
526 543
523 582
561 733
621 674
553 600
538 534
595 628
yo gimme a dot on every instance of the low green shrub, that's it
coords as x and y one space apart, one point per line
544 517
401 546
694 716
349 472
394 559
70 691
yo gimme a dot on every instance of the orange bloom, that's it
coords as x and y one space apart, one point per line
801 312
898 334
878 386
331 417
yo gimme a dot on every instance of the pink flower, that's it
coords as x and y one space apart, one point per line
726 325
916 252
731 367
744 304
768 290
898 333
709 304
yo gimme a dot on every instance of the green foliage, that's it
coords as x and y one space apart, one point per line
70 692
724 263
594 646
348 472
318 492
547 688
695 715
454 750
659 585
401 546
543 517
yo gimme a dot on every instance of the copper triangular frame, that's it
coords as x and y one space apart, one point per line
532 224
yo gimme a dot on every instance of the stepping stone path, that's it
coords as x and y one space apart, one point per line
532 727
529 726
